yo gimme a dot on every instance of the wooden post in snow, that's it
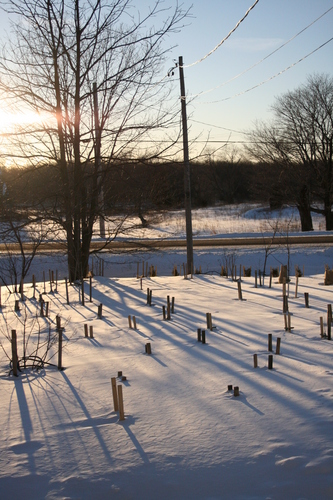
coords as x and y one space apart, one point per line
60 349
329 320
278 345
121 403
114 393
67 296
82 291
100 311
14 353
240 297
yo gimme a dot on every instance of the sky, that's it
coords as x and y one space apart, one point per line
220 104
268 25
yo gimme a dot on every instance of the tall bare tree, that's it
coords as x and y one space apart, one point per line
91 70
300 139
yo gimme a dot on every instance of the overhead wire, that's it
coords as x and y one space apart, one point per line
272 77
263 59
224 39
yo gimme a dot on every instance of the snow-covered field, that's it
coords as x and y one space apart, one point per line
185 435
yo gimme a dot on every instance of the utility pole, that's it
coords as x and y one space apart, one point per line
98 164
187 172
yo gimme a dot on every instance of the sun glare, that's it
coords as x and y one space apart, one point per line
8 120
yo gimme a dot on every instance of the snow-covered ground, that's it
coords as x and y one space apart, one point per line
185 435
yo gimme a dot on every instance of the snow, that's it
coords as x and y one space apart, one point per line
185 435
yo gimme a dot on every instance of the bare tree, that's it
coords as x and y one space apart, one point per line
91 71
300 140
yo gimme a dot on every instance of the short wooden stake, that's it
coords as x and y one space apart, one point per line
22 289
14 353
164 314
255 279
67 296
173 305
278 345
229 387
100 311
47 309
255 360
60 349
236 391
203 336
168 308
240 297
91 331
329 320
306 298
270 337
296 286
90 288
260 277
114 393
289 322
270 361
42 309
270 278
85 330
148 295
321 319
134 323
148 348
58 322
121 403
285 322
17 305
199 334
285 303
141 283
129 321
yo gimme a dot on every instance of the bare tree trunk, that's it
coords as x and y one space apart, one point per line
303 206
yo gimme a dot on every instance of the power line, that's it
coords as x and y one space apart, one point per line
224 39
218 126
272 77
264 58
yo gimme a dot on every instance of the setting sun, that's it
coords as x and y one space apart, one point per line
9 120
